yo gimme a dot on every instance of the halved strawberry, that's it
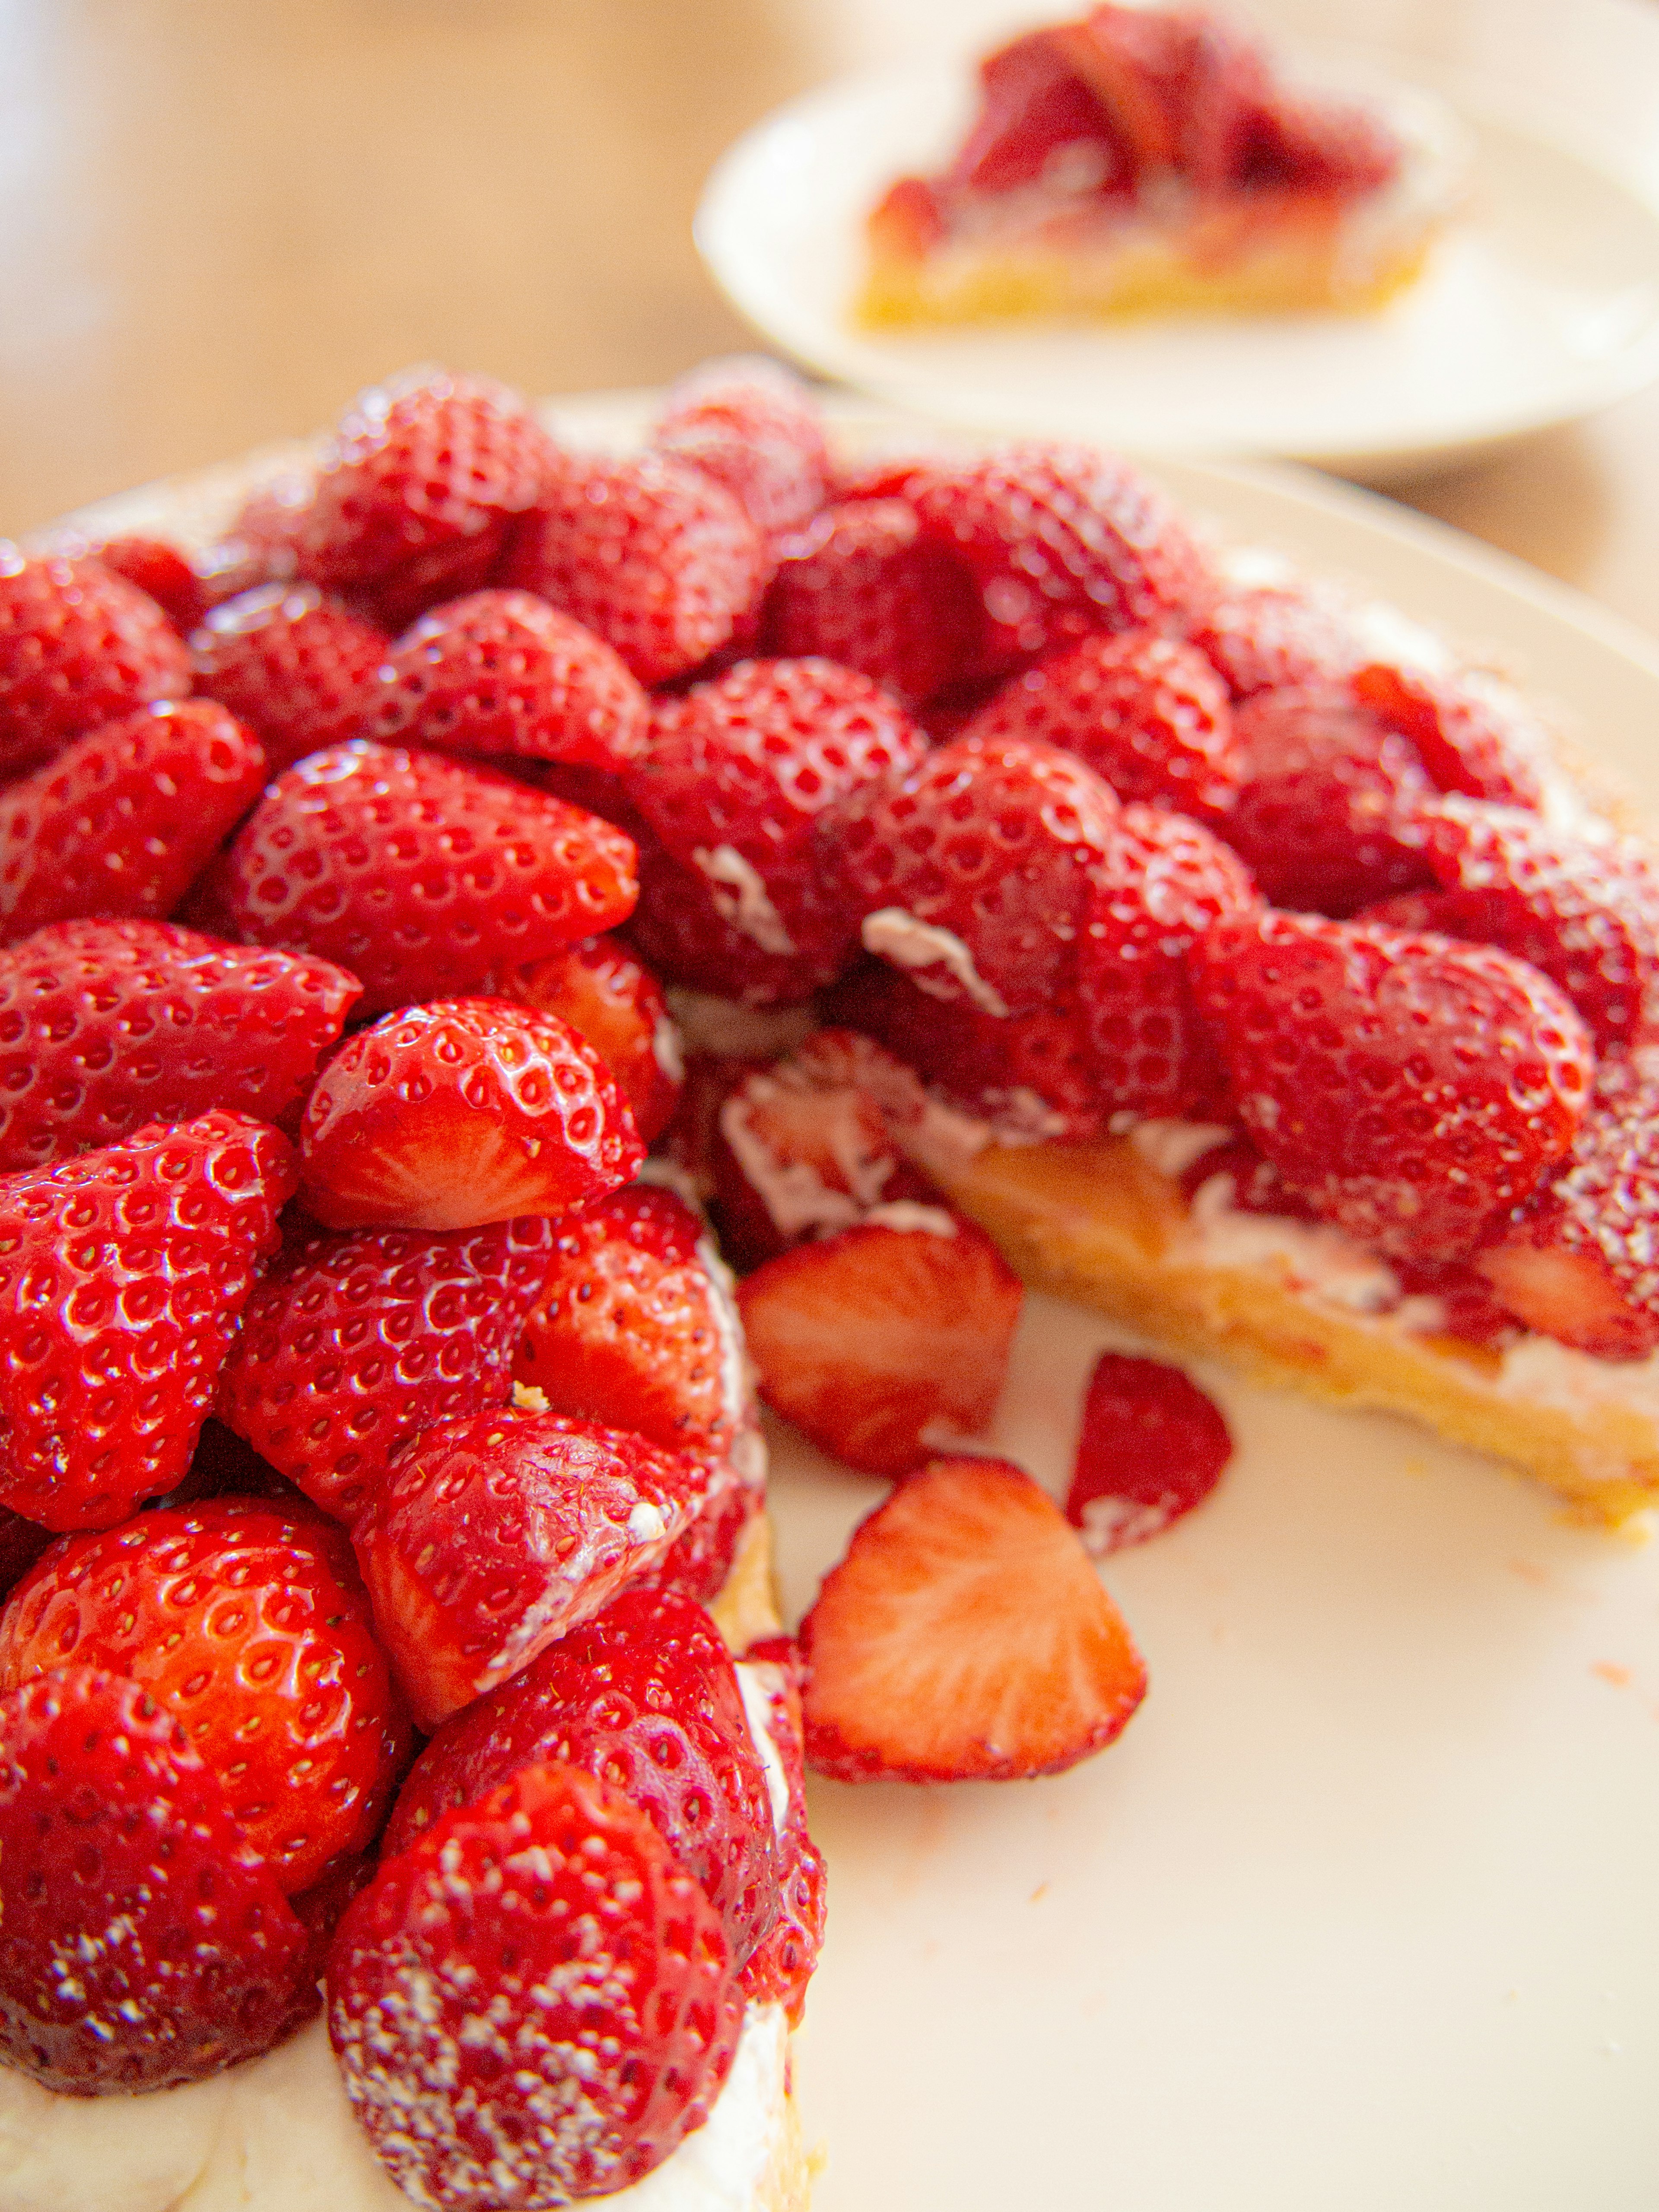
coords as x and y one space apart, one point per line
461 1112
965 1637
124 819
419 875
1151 1447
1034 107
779 1967
353 1343
113 1024
79 647
296 666
123 1275
636 1326
504 673
117 1852
252 1625
161 571
493 1535
617 1005
611 2017
753 428
643 1697
866 1339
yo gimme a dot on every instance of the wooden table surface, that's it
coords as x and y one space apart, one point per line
219 217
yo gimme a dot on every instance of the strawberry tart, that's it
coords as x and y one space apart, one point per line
1156 160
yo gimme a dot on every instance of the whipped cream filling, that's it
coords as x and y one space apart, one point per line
894 933
741 898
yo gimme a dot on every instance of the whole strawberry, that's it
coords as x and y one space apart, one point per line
1410 1088
79 647
418 874
122 1276
123 820
113 1024
753 428
1472 735
617 1005
1277 636
613 2013
161 571
296 666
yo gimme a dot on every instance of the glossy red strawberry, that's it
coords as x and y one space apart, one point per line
353 1343
161 571
504 673
1470 734
965 1637
112 1023
617 1005
1162 882
461 1112
1151 1447
865 1340
971 872
123 1274
117 1851
1579 1262
251 1625
651 553
79 647
123 820
418 874
635 1327
614 2013
494 1535
860 585
1330 810
756 429
736 776
296 666
1148 714
1410 1088
782 1965
644 1698
420 468
1272 637
1061 540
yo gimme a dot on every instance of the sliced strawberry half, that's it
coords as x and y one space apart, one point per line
353 1343
965 1637
420 875
782 1965
117 1851
296 666
493 1535
644 1697
866 1339
1151 1447
617 1005
113 1024
459 1113
79 647
613 2015
123 1275
251 1625
124 819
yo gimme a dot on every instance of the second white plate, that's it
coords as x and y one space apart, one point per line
1541 304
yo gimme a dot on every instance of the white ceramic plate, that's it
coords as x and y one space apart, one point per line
1359 1914
1542 304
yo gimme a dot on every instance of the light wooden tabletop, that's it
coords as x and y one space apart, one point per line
219 217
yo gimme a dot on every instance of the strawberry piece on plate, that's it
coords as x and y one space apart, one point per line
504 673
782 1965
122 1276
636 1326
418 874
79 647
756 429
866 1338
117 1851
493 1535
296 666
1148 714
123 820
353 1343
251 1624
612 2016
420 468
971 872
654 554
1409 1088
644 1698
1151 1447
459 1113
617 1004
859 585
113 1024
965 1637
